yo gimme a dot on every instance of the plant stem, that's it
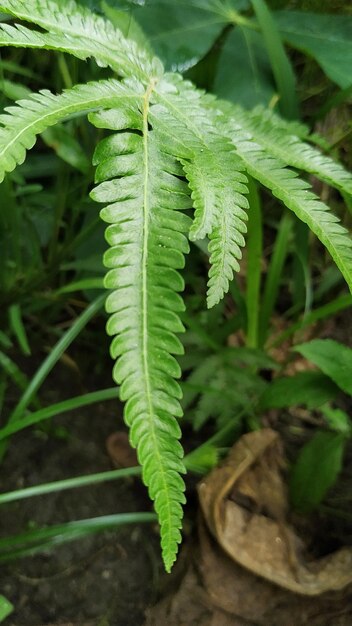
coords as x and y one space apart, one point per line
254 257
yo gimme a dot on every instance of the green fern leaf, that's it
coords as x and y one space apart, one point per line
20 124
218 186
282 143
142 185
294 192
215 176
78 31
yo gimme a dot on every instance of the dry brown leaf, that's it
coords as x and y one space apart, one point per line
248 569
244 503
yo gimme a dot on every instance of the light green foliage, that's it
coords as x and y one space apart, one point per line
283 141
173 148
333 358
294 192
216 180
6 608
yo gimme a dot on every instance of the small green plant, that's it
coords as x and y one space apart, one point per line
171 148
320 460
6 608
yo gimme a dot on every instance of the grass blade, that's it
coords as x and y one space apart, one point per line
274 275
16 323
51 361
55 355
35 541
69 483
280 64
57 409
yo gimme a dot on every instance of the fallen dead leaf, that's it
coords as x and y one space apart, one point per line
244 503
248 567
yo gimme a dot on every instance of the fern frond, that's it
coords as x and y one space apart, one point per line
280 141
215 176
142 185
296 195
20 124
78 31
218 186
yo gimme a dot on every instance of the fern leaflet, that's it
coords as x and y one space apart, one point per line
294 192
23 122
215 175
286 146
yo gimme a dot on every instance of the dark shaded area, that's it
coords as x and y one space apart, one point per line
107 579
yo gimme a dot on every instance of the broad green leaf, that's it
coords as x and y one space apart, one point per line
327 38
182 31
333 358
124 20
316 470
309 388
244 73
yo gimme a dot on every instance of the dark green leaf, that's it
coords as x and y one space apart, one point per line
316 469
310 388
244 74
181 32
333 358
327 38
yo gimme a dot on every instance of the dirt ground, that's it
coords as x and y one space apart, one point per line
104 580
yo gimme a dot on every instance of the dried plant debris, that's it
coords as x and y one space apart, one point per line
249 566
245 506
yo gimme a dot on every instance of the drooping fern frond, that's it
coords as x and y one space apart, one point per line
20 124
215 176
281 143
294 192
145 195
218 185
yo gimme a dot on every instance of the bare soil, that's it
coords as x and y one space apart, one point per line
104 580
